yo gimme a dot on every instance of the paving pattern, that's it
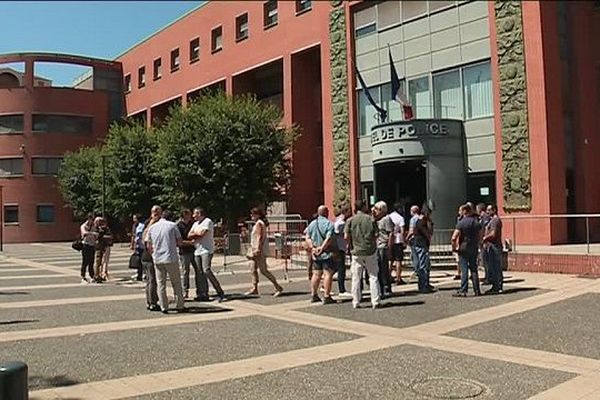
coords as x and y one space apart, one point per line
539 340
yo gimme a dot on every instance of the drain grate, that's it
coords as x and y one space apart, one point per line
439 387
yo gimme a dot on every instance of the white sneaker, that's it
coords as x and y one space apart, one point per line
355 305
84 281
344 295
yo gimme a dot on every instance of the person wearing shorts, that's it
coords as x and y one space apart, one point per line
320 237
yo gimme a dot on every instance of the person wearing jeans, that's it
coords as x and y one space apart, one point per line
385 242
361 232
465 241
150 272
89 237
202 233
492 242
338 229
186 255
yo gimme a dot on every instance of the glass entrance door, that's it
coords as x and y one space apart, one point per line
401 181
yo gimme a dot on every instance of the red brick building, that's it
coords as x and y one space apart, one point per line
522 78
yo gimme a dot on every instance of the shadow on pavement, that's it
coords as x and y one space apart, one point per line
205 310
19 321
12 293
51 381
401 304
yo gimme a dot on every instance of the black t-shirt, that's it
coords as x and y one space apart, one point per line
495 224
469 233
421 233
185 229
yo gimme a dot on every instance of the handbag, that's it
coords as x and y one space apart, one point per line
77 244
134 261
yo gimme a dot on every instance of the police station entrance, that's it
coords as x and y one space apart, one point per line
402 181
421 162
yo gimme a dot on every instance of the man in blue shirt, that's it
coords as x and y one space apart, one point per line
320 238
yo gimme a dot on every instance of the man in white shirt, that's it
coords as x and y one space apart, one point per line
398 244
202 233
163 240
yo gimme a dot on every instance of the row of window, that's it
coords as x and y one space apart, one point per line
270 18
391 13
39 166
49 123
44 214
462 93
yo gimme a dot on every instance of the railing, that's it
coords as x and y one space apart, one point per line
571 233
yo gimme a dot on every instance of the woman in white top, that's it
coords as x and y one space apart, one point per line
259 249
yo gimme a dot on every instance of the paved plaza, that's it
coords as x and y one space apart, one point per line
540 340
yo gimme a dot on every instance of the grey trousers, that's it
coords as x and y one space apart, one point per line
204 265
172 271
151 291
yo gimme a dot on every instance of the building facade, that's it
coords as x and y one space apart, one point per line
38 124
504 94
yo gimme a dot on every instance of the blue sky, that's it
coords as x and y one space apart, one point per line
102 29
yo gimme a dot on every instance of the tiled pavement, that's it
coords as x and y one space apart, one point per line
539 340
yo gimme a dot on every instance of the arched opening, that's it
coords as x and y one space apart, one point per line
8 80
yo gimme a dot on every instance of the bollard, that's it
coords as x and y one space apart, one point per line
13 381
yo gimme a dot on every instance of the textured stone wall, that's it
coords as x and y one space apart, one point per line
339 103
516 163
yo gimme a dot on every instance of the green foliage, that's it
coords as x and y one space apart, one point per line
222 153
78 180
225 154
130 180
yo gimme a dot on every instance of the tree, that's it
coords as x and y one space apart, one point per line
131 182
78 180
224 153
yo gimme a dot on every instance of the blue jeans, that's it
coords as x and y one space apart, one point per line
468 262
422 264
493 255
341 271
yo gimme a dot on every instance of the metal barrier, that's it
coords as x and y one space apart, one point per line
572 233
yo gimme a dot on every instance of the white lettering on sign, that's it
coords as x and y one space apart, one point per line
408 130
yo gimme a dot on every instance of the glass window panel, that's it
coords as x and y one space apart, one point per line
388 14
392 106
11 214
45 214
217 36
302 5
411 9
194 50
365 17
477 82
365 30
368 115
435 5
270 13
62 124
45 166
420 97
11 123
447 95
11 166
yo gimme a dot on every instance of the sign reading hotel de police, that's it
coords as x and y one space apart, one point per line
404 130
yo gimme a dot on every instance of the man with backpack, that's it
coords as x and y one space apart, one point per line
320 238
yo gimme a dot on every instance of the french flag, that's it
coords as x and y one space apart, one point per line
397 94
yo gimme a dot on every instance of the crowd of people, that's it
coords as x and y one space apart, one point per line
374 239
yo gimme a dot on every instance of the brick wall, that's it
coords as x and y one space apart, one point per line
577 264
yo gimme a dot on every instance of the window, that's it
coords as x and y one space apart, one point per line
388 14
45 166
435 5
11 214
365 22
303 5
45 214
174 60
447 95
477 84
141 77
241 27
11 124
194 50
367 114
392 106
127 83
216 39
419 97
157 70
11 167
412 9
270 13
51 123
